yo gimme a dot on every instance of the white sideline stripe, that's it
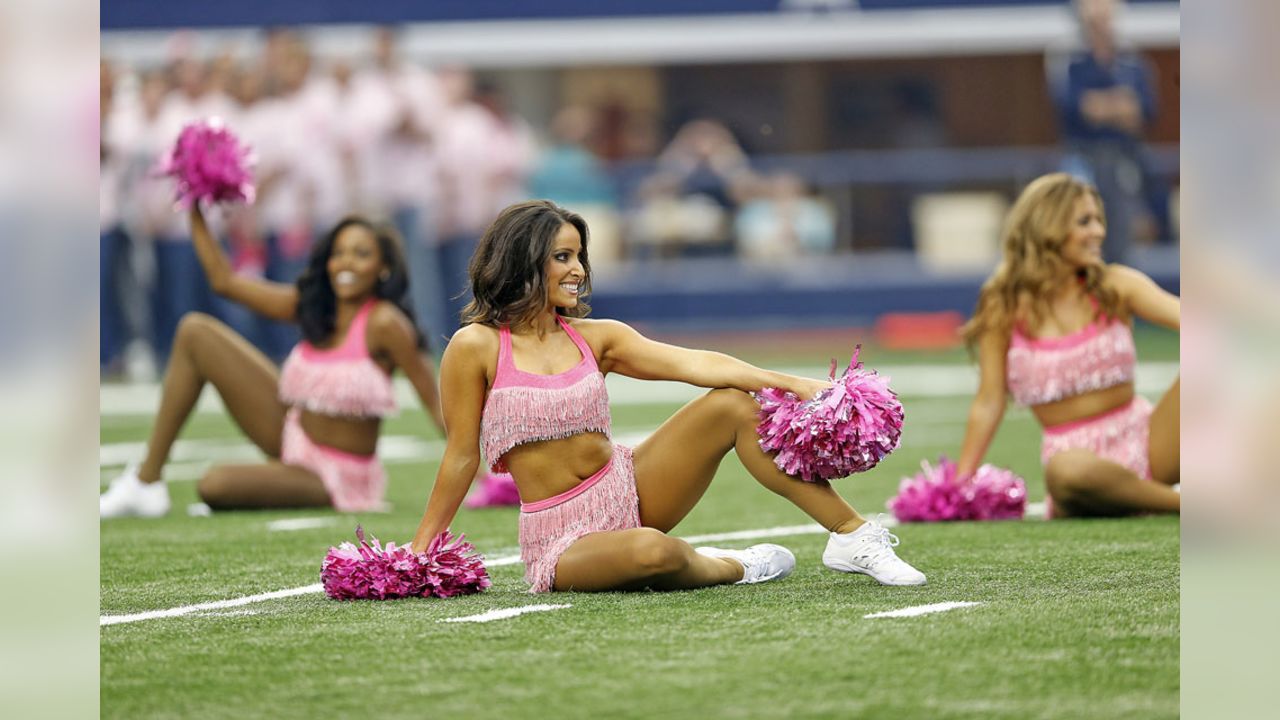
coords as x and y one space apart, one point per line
782 531
932 380
215 605
291 524
503 614
489 562
1033 509
227 613
191 458
920 610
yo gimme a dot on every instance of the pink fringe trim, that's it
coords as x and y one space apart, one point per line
1042 371
609 504
357 388
355 483
518 415
1121 435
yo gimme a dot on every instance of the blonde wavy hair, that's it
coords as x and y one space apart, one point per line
1034 232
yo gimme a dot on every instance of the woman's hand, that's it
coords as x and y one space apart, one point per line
806 389
419 544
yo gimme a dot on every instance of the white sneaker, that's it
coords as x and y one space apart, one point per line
760 563
869 550
127 496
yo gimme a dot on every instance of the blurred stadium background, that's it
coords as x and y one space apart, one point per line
746 166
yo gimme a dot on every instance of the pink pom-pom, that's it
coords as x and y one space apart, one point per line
496 490
209 164
938 494
450 566
846 429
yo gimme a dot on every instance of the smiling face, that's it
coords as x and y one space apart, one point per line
563 270
1085 233
355 263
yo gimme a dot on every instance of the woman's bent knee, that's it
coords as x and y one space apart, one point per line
195 324
1068 474
656 553
734 403
214 488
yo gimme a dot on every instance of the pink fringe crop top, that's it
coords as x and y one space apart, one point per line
338 381
1046 370
526 407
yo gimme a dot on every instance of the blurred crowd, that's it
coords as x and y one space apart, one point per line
437 152
432 151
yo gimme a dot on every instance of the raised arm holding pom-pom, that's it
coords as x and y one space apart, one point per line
1053 329
523 387
317 419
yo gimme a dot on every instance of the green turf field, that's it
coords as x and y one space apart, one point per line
1076 618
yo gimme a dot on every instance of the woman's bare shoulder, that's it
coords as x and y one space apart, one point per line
474 339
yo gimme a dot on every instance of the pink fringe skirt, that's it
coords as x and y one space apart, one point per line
354 482
1119 435
603 502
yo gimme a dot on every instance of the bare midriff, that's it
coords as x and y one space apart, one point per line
1085 405
547 468
358 436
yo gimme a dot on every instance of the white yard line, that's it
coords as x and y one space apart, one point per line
907 380
292 524
503 614
215 605
489 562
920 610
781 531
1033 510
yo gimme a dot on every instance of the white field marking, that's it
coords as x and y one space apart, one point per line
192 458
810 529
503 614
489 562
291 524
195 456
391 448
921 610
908 380
215 605
227 613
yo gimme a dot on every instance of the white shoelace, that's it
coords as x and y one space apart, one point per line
882 544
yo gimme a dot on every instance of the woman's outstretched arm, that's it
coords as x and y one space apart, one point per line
1148 300
627 352
274 300
987 409
462 391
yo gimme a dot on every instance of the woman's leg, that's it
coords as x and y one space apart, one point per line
207 351
676 464
1083 484
1164 440
639 558
263 486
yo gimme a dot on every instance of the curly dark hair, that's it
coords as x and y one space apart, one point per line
507 282
317 303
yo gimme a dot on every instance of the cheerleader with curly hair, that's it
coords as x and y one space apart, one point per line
317 419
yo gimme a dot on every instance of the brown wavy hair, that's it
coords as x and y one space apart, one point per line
508 286
1034 232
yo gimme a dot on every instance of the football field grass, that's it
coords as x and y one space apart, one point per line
1071 618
